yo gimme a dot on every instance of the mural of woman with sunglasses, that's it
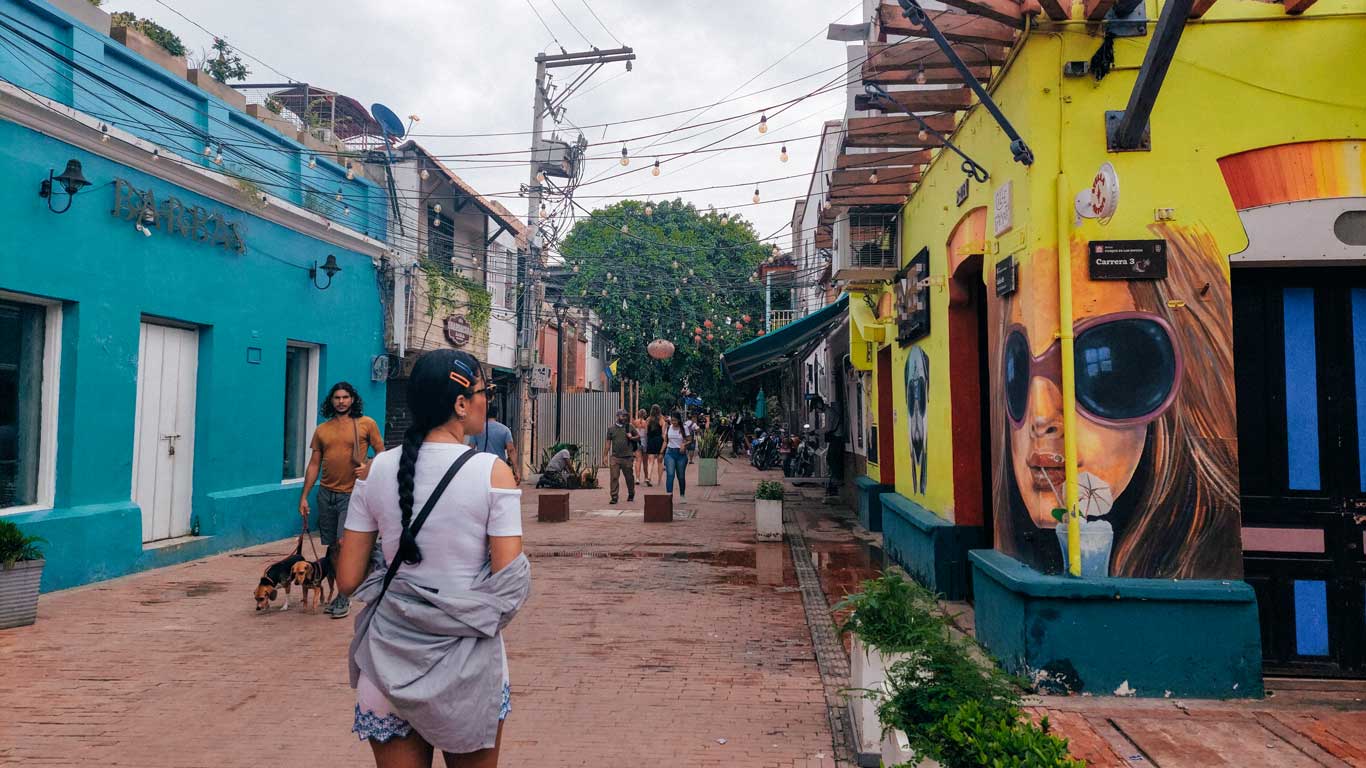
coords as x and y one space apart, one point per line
1156 429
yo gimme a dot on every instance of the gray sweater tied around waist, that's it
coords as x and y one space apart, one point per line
436 655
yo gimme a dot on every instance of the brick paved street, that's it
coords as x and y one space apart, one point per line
682 643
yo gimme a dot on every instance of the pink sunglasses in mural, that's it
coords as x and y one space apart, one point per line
1128 368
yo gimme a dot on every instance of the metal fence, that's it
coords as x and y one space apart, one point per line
584 421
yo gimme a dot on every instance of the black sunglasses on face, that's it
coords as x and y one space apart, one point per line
487 390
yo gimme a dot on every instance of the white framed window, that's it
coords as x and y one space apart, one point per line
30 366
301 406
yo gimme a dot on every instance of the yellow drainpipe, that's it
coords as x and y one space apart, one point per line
1069 379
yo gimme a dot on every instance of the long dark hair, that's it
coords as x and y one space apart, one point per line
357 407
437 380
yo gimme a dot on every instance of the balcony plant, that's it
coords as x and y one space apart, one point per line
21 572
768 511
708 454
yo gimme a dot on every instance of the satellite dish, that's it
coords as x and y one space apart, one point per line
388 121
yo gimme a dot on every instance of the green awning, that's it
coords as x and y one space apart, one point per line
778 348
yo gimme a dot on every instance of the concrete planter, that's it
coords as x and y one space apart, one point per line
867 678
768 520
280 124
19 593
706 471
85 13
232 96
142 45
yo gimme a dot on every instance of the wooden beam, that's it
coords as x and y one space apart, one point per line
883 159
926 53
1056 10
942 100
1200 7
1096 9
869 200
856 177
933 75
870 190
1296 7
1166 36
900 132
824 238
957 27
1005 11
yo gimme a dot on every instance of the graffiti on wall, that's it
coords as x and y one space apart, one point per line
917 397
1156 433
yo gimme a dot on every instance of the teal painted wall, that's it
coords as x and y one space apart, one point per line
108 277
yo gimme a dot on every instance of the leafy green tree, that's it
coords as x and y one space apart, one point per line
667 274
226 64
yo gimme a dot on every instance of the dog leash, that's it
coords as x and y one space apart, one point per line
311 545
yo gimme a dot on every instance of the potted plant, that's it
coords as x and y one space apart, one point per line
153 41
708 452
887 620
768 511
21 571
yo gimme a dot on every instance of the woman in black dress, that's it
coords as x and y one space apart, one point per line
654 445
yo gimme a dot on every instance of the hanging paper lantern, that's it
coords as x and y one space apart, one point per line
710 337
745 318
697 339
739 327
697 331
707 323
661 349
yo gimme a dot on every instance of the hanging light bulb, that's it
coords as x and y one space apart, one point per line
543 212
609 275
313 161
339 194
872 177
625 159
677 291
777 251
763 123
104 133
655 170
218 158
920 75
350 172
623 304
437 209
923 135
576 269
208 150
346 210
625 229
826 204
604 291
675 264
649 209
782 155
725 218
691 272
436 223
540 177
156 153
583 292
756 195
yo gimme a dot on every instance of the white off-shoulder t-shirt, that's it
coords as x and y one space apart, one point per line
454 540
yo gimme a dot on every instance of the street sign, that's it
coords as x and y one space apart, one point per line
540 377
1127 259
1006 273
458 330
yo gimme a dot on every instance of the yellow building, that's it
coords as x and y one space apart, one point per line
1210 284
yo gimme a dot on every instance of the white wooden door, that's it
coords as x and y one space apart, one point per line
163 443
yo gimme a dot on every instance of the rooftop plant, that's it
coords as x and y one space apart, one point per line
158 34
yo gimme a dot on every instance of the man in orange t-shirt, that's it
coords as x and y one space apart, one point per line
341 450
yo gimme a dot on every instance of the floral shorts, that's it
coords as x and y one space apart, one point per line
377 720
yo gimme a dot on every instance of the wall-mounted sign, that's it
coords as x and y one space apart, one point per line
913 300
1102 200
175 218
540 377
962 195
458 330
1127 259
1002 214
1007 273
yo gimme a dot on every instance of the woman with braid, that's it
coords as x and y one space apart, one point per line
427 660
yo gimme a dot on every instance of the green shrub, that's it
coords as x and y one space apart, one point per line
769 490
974 736
16 546
158 34
709 445
893 614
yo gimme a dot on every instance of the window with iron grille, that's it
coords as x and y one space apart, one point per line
440 236
599 342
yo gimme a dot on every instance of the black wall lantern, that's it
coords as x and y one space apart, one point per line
72 181
331 267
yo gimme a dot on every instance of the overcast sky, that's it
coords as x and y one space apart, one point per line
467 67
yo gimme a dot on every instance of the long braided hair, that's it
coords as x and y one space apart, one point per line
437 380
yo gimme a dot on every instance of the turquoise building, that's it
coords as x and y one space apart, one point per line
165 340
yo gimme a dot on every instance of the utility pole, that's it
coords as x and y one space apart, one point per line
530 262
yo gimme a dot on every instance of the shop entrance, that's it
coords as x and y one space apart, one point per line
1300 368
969 377
163 441
885 432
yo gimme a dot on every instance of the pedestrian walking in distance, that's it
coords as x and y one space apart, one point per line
654 446
427 658
341 452
497 440
619 453
677 439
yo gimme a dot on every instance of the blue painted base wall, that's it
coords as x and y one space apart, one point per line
1196 638
867 490
931 549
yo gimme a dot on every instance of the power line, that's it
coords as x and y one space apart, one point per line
572 25
599 20
547 26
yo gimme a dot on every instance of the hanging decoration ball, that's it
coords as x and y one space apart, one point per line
710 337
739 326
697 339
745 318
661 349
649 210
707 323
697 331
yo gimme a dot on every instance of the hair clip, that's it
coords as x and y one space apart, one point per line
461 380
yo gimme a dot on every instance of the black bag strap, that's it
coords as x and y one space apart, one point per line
416 524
